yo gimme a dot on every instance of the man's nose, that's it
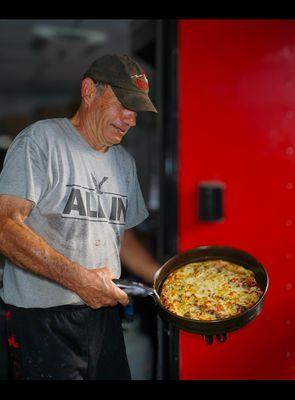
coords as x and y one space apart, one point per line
130 117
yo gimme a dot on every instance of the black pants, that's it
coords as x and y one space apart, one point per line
66 343
3 345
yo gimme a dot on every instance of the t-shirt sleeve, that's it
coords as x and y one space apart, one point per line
136 210
24 172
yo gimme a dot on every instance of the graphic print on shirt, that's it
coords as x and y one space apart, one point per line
96 205
99 185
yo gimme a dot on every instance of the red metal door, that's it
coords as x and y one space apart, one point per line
237 126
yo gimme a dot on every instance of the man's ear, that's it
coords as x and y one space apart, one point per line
88 91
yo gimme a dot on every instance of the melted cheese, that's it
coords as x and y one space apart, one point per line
210 290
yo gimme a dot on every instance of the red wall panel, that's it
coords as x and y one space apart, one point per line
237 126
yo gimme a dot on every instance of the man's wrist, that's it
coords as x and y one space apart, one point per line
76 278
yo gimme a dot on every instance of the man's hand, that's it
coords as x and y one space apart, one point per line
98 290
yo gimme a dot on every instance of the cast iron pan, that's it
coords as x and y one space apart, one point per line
218 327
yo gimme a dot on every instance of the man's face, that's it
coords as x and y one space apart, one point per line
111 120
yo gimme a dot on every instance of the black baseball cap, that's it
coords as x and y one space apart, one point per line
127 79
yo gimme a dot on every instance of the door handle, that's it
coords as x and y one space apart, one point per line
210 201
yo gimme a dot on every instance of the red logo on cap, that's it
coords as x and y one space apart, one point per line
140 81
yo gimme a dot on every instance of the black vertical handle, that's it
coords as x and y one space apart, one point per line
209 338
210 201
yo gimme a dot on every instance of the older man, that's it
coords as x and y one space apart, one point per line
69 190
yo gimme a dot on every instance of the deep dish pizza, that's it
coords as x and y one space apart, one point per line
210 290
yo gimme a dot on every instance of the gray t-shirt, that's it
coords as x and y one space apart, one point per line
83 202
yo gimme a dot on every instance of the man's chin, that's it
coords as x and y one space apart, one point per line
116 140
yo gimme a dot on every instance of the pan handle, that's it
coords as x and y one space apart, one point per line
134 288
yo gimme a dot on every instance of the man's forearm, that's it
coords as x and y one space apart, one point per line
136 258
30 252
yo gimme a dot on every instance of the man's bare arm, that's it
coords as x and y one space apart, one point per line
29 251
136 258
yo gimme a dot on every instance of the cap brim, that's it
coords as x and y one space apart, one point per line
134 101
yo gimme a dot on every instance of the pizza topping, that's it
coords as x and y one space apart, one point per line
210 290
